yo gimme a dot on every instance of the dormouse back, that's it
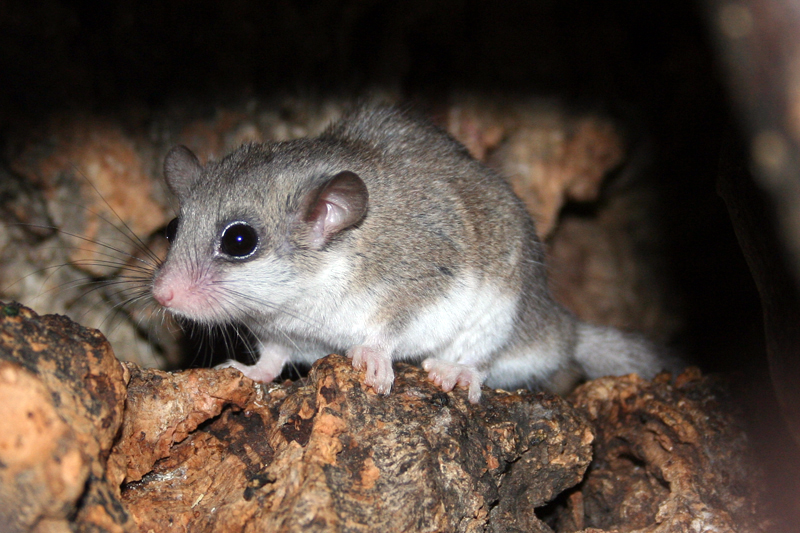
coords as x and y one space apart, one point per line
395 132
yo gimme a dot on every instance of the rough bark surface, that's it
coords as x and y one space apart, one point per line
62 395
668 457
208 450
90 444
327 454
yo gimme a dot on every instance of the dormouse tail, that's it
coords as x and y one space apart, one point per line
605 351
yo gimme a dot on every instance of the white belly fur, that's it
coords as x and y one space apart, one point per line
466 326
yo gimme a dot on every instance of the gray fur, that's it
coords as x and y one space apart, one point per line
434 215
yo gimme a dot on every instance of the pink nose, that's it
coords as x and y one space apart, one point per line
163 293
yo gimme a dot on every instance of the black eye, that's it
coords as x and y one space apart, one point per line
172 230
238 240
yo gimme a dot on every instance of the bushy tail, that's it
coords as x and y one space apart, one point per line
604 351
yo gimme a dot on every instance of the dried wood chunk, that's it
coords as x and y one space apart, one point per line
87 443
61 400
328 454
669 457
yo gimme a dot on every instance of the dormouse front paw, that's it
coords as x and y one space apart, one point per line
447 375
254 372
377 366
269 365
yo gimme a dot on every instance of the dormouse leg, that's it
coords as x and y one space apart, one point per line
271 359
377 364
447 375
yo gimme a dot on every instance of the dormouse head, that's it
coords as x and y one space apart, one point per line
243 220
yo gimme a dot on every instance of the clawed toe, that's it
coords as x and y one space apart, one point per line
377 367
447 375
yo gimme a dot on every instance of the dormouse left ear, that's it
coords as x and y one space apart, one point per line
182 170
336 206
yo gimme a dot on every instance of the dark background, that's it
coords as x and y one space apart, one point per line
649 60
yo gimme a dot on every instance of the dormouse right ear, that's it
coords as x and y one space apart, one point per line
339 204
181 170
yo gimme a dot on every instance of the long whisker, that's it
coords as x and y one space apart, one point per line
242 298
100 283
95 242
131 235
120 306
144 278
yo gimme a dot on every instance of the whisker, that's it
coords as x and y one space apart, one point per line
260 302
131 235
93 241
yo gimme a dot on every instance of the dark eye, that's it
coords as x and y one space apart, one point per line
172 230
238 240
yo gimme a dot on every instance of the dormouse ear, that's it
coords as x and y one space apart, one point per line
337 205
181 170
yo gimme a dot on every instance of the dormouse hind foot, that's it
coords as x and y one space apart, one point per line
377 365
447 375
